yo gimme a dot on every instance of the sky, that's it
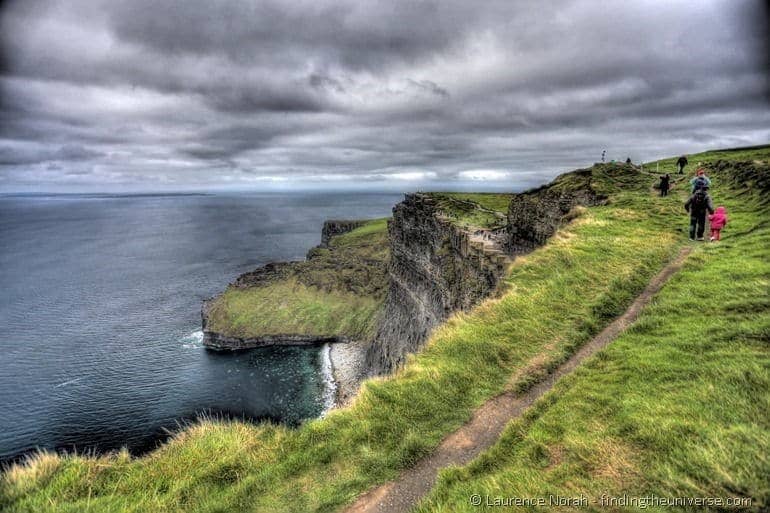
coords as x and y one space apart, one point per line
97 95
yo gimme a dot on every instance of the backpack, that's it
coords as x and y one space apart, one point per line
699 199
700 184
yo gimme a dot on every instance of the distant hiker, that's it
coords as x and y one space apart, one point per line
603 153
665 183
701 181
681 163
698 204
717 221
628 160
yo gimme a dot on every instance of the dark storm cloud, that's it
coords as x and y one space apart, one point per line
199 93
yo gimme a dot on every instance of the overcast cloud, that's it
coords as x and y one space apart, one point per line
203 94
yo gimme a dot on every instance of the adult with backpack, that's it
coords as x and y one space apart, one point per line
698 205
701 181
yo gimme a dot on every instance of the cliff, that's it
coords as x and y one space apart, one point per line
436 268
448 252
334 227
332 296
535 215
388 286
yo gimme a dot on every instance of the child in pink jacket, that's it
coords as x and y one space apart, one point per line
717 221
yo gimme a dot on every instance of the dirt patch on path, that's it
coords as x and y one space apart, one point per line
488 422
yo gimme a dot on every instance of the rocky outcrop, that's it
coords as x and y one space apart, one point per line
435 269
334 227
535 215
268 272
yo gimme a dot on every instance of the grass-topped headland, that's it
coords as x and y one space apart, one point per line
674 406
473 210
336 291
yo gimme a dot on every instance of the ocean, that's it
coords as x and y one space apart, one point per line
100 314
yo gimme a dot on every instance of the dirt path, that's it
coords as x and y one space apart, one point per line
488 422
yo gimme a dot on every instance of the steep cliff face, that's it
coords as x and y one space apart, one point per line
535 215
435 269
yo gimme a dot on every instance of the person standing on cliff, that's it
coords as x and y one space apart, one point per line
681 163
665 183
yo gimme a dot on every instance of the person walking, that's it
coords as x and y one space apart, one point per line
681 163
700 181
697 206
665 184
717 221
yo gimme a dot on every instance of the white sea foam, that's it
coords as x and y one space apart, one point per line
193 341
327 375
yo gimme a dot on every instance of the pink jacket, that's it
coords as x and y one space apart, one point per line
718 219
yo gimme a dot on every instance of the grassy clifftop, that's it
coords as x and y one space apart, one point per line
473 210
336 291
675 406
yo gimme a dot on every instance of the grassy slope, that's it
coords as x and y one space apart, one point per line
337 292
603 260
676 407
669 165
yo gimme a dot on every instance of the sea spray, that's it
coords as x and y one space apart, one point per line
193 341
327 377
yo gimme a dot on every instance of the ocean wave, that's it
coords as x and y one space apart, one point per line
328 398
193 341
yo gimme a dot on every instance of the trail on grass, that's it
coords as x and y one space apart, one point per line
488 421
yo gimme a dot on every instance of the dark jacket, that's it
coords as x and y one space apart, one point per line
682 161
697 206
664 181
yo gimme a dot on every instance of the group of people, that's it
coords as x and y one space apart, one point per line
699 205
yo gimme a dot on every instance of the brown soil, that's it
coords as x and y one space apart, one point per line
488 422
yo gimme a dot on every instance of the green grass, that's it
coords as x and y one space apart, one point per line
554 300
336 291
668 165
490 200
473 210
678 406
372 237
290 307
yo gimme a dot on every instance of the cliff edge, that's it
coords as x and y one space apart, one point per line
449 252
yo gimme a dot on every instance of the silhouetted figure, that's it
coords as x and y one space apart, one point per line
681 163
628 160
665 184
